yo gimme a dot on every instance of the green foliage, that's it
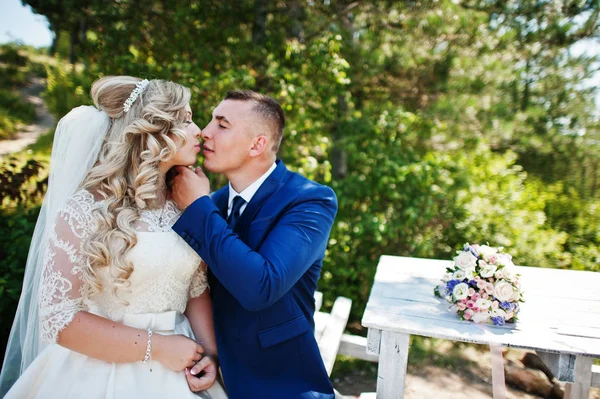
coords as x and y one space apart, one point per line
23 181
67 88
14 112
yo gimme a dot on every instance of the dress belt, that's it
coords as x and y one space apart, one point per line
154 321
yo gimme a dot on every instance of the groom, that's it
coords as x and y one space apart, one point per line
263 237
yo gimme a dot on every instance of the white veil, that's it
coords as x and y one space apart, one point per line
77 142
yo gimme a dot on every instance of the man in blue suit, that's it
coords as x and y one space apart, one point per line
263 237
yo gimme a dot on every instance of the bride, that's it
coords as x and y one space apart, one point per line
113 301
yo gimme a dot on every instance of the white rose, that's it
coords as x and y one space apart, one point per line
465 260
503 291
504 260
498 312
481 317
487 251
515 296
460 291
470 273
509 273
483 303
488 270
459 275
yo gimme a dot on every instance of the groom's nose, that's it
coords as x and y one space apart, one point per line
206 132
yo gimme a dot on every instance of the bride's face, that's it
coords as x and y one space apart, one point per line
187 155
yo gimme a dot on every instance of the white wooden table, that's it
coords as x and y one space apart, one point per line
560 319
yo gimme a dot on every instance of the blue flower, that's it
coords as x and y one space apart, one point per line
473 283
498 320
469 248
506 305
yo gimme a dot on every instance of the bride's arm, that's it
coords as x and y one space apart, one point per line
64 316
104 339
199 312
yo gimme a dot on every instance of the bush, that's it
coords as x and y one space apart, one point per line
14 111
23 181
67 89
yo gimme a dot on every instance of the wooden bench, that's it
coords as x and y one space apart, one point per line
329 329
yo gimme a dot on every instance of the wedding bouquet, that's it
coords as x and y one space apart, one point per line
482 286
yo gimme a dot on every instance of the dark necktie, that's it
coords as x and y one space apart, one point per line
234 216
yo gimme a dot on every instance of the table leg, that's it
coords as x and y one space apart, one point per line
580 389
393 358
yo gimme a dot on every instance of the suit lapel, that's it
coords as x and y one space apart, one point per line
266 190
220 198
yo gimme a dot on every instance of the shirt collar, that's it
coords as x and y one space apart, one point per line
249 191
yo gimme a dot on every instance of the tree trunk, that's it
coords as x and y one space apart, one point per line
259 30
53 47
295 13
74 40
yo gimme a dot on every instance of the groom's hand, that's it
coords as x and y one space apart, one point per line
188 186
203 375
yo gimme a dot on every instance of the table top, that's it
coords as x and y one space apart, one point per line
561 312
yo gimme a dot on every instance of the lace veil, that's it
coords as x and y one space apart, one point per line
77 142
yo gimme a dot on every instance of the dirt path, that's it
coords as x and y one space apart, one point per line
30 133
471 380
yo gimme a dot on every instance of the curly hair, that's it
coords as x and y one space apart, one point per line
126 175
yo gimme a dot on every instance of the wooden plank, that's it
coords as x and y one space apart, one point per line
318 300
373 341
580 389
356 347
391 373
596 376
368 395
561 365
329 343
321 321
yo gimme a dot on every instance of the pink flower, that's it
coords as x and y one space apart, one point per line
495 305
476 278
489 288
509 315
481 284
463 301
492 259
475 297
461 306
471 292
468 314
485 296
470 304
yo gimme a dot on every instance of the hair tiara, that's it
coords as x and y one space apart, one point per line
139 89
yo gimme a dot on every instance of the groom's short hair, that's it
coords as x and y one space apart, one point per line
267 108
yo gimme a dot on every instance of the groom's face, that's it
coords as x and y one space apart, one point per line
228 138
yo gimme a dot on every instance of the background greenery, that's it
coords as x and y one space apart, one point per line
436 122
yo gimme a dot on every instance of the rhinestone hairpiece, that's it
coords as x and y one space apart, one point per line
139 89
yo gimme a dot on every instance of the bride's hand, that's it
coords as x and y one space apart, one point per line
203 375
176 352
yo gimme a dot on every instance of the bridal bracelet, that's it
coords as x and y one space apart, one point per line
148 347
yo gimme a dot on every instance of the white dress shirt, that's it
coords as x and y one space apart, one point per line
249 192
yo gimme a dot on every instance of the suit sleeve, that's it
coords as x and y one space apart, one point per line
257 279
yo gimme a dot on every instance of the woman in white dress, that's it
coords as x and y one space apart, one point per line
114 303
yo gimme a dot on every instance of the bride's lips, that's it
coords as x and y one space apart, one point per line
207 151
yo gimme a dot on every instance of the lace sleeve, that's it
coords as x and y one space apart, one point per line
199 282
61 286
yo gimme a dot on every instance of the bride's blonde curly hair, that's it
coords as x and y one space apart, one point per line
126 176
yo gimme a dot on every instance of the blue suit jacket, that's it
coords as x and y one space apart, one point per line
263 276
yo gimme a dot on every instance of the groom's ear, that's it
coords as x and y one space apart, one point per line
259 145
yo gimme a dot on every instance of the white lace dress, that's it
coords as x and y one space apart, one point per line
166 275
